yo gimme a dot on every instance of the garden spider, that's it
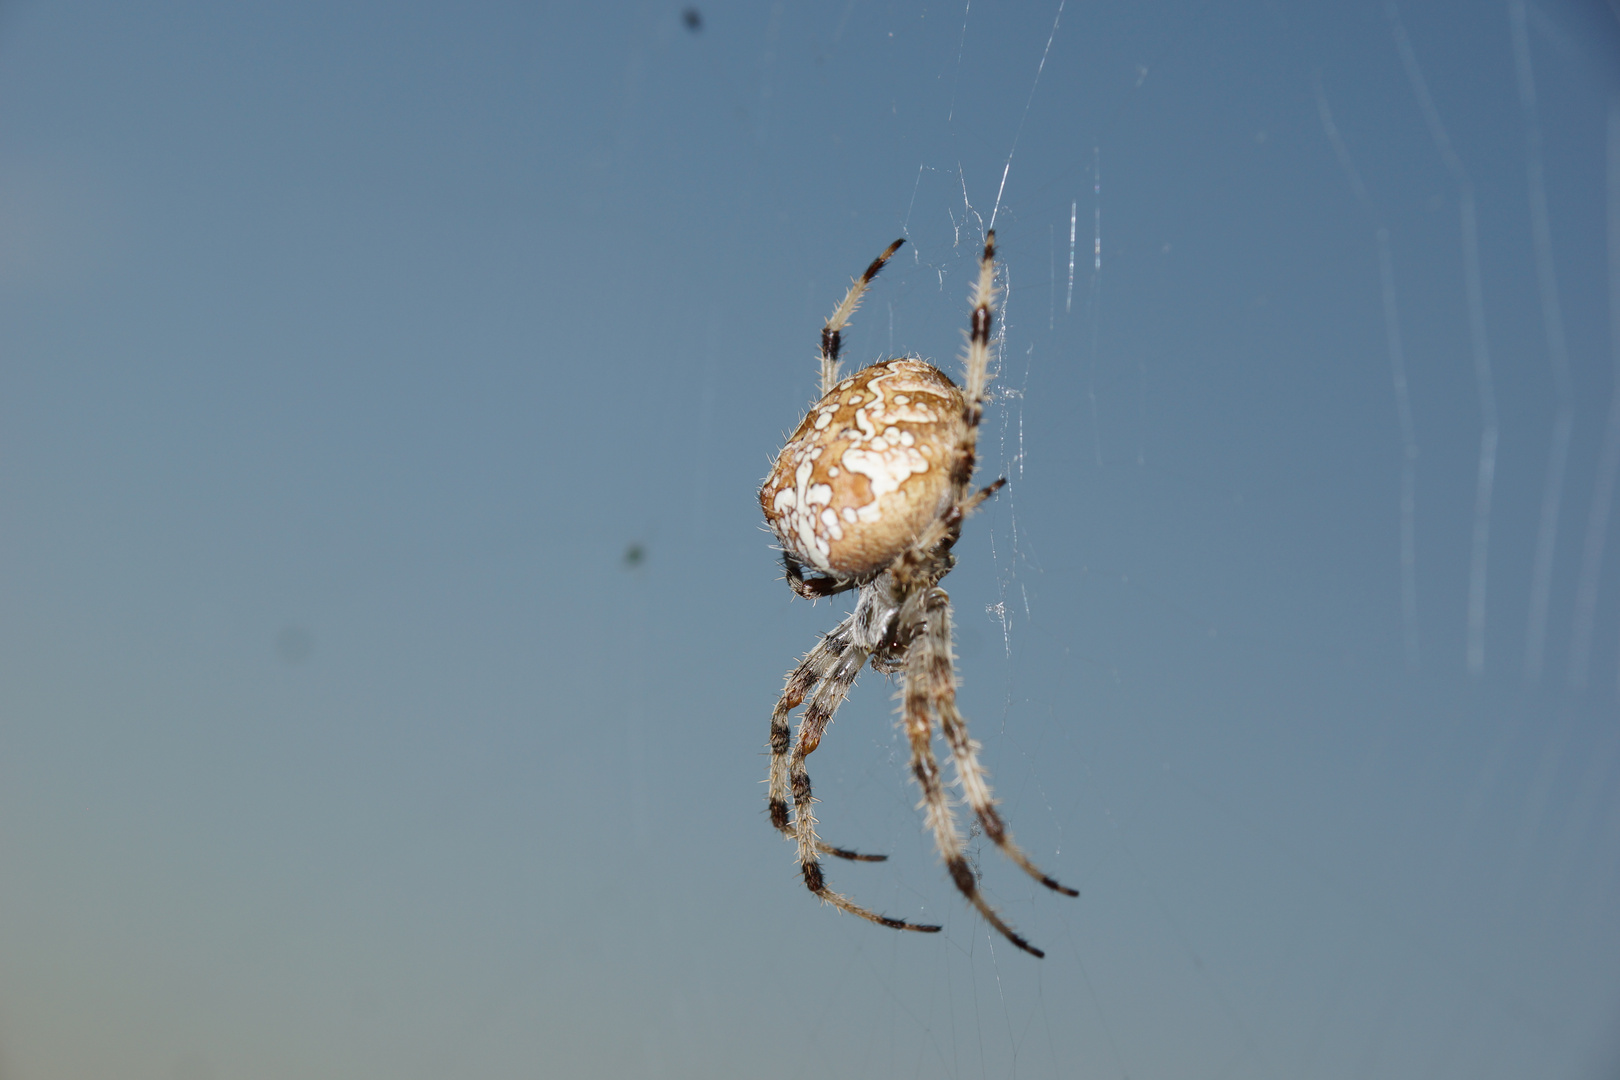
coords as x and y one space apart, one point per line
870 493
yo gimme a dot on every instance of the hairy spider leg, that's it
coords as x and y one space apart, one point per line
928 684
812 671
945 530
930 675
977 361
816 715
964 751
832 331
974 783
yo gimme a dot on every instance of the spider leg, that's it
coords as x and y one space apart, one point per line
970 775
930 689
812 672
971 503
800 681
816 717
912 568
832 339
977 361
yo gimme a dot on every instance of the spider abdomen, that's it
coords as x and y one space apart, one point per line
868 468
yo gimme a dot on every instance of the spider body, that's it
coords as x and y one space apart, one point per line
866 471
870 493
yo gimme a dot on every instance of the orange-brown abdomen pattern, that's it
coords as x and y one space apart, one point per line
867 469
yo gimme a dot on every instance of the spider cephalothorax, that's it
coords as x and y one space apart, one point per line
870 493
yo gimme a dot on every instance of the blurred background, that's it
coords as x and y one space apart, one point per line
388 634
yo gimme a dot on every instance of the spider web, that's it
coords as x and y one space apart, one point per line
390 634
1471 775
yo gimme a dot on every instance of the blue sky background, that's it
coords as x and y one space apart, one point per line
346 351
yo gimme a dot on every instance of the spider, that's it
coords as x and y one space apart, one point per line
870 494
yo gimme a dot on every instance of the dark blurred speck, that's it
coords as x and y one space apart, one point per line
634 555
693 19
294 645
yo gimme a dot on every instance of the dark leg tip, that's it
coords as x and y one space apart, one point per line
1058 887
855 856
1018 939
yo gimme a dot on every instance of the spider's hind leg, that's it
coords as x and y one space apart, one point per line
824 671
970 777
931 691
816 716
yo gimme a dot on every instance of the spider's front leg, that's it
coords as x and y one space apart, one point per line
832 331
